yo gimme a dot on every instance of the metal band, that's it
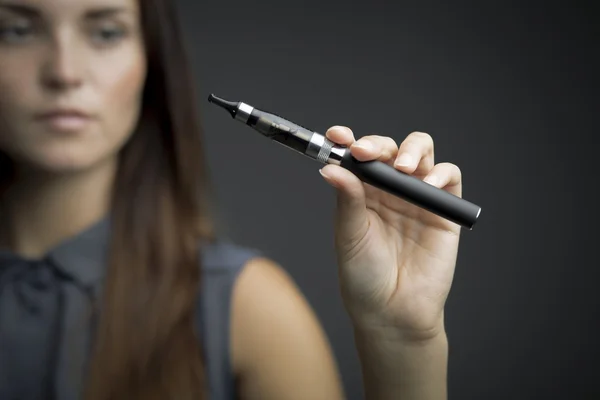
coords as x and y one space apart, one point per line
314 146
244 111
325 151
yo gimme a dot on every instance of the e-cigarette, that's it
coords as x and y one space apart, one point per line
375 173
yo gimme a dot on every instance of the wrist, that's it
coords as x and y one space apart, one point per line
390 339
396 366
393 334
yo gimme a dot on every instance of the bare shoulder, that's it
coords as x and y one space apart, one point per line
279 349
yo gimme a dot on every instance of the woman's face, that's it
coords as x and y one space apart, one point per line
71 80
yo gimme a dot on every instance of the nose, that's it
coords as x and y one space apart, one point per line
62 69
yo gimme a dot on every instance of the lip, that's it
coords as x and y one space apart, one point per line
63 112
65 119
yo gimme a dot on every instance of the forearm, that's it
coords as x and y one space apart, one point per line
402 370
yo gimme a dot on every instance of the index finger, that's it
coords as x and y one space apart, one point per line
341 135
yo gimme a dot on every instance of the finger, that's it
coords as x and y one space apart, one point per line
351 212
446 176
416 154
374 147
341 135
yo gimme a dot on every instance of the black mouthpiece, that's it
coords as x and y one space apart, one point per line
227 105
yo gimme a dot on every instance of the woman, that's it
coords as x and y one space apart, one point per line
113 284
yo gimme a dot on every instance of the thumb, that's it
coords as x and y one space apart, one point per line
351 217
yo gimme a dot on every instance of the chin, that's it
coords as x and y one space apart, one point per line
65 166
65 160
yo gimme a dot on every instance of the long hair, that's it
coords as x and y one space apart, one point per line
145 345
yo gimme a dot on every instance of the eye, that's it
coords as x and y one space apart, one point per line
108 35
13 33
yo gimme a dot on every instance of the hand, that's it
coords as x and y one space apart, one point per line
396 260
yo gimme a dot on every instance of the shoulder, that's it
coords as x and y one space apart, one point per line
254 277
257 316
278 345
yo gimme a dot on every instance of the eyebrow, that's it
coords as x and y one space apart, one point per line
93 14
20 9
105 12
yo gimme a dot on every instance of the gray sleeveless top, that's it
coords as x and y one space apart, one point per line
45 332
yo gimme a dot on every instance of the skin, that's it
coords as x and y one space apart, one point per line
396 262
65 57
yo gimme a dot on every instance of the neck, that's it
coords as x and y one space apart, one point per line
39 211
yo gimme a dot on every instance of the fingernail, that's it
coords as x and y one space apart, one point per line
328 179
404 160
364 145
324 175
432 180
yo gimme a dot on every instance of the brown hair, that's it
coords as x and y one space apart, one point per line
146 346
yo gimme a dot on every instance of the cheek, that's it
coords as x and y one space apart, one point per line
17 93
121 90
17 89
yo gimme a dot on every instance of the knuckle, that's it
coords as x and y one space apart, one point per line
421 135
391 142
424 138
380 138
340 128
452 169
365 139
421 140
384 142
372 137
387 143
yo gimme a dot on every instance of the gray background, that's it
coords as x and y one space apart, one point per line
508 92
